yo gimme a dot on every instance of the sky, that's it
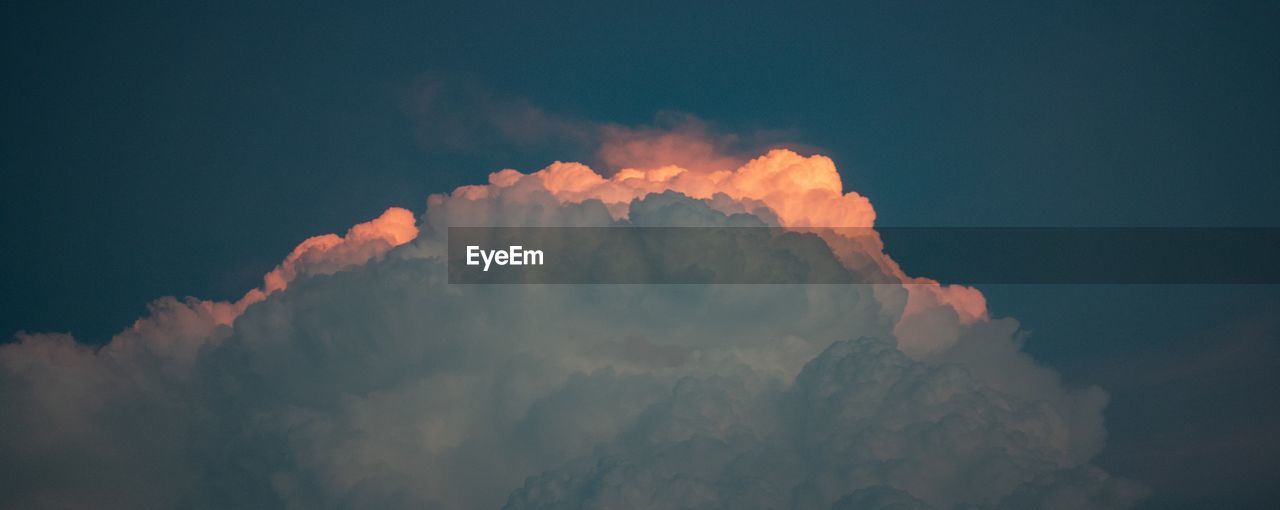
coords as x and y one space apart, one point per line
158 150
191 120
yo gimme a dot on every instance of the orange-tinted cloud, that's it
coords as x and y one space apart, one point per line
328 254
802 191
684 141
194 318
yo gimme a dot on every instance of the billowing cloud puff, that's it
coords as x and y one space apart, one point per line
357 377
801 191
863 426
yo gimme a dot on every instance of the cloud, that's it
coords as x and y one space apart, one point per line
357 377
799 191
863 426
456 113
679 140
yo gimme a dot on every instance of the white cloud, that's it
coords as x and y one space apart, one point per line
373 383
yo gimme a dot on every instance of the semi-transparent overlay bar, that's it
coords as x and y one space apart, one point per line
769 255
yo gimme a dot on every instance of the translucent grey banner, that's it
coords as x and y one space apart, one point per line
767 255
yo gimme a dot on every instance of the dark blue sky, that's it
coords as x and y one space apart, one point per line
156 150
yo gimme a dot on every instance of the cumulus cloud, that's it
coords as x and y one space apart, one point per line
357 377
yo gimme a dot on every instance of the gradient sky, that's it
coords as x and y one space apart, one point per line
157 150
